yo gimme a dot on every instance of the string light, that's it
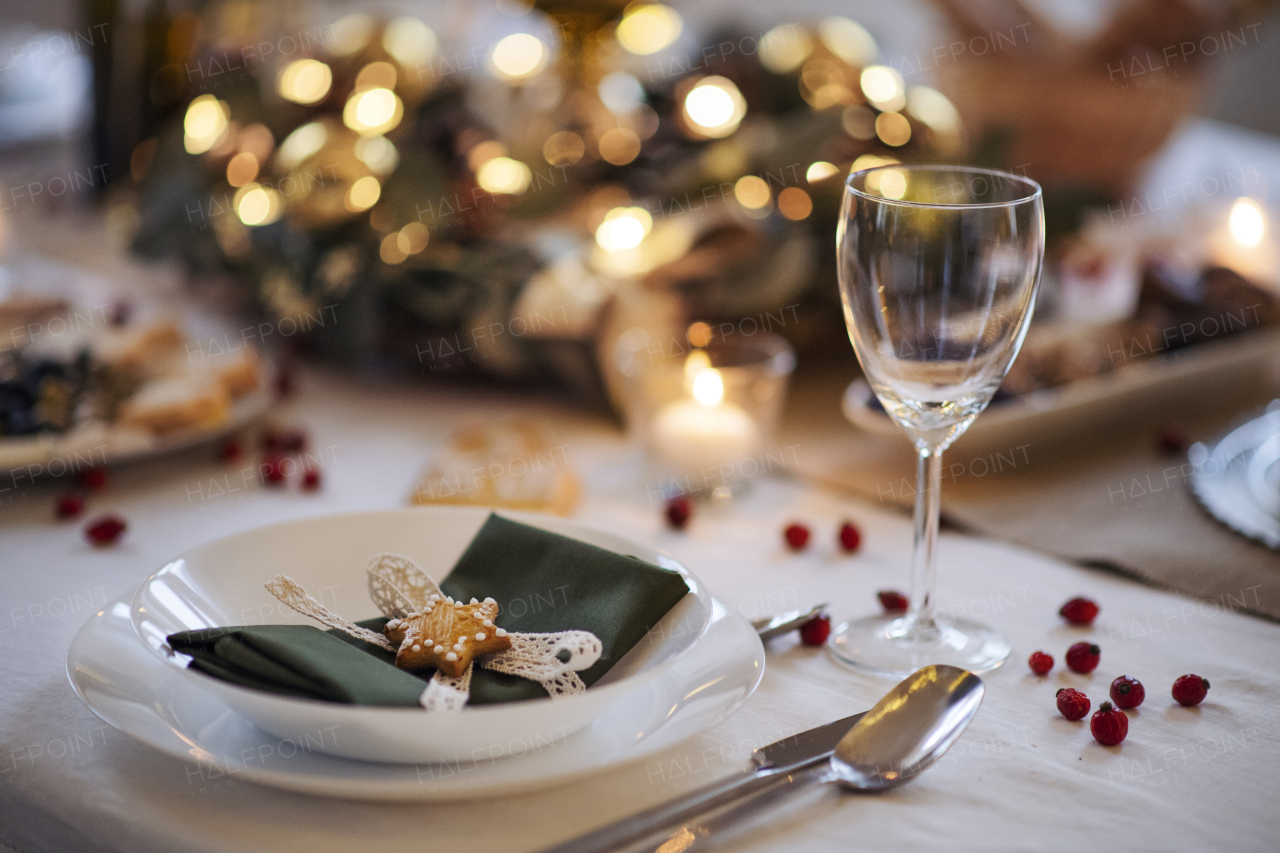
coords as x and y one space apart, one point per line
305 81
205 123
649 28
518 57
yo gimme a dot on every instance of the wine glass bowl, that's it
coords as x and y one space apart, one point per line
939 268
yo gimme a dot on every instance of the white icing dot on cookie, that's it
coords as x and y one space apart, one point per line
501 632
393 624
480 635
438 649
457 647
488 623
417 648
490 601
451 656
473 600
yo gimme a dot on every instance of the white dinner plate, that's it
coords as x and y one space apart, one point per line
220 584
131 689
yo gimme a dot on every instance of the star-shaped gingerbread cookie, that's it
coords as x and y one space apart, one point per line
446 635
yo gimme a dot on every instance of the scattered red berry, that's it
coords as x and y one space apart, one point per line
891 600
230 450
105 530
292 440
797 536
1079 611
93 479
272 469
1190 690
1127 692
311 479
816 630
1072 704
1171 440
850 537
1109 725
1040 662
1083 658
678 512
69 505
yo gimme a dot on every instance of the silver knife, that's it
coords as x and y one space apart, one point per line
769 765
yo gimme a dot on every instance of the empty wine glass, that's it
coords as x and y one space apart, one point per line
938 267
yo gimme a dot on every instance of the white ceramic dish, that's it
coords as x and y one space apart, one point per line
221 584
1194 376
131 689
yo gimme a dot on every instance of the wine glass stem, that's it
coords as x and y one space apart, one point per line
924 561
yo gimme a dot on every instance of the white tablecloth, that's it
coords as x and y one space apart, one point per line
1021 778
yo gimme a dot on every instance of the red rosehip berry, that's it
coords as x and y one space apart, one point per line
230 450
797 536
1127 692
1040 662
850 537
1072 704
892 600
93 479
272 469
678 511
1079 611
311 479
816 630
1083 658
1109 725
105 530
69 505
1190 690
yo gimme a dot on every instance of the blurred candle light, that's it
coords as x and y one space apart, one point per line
623 228
305 81
205 123
518 57
705 432
504 176
648 28
1247 222
715 107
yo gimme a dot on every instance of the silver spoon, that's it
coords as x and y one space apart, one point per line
775 626
906 732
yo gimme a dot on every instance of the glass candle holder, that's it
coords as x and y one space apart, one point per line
705 416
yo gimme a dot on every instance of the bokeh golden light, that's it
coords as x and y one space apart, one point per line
848 40
893 129
390 250
504 176
350 34
819 171
413 238
564 148
378 153
623 228
784 47
518 57
1246 222
483 152
373 112
241 169
888 183
363 194
714 107
300 145
410 42
752 192
619 146
794 203
305 81
883 87
258 205
934 109
649 28
376 75
205 124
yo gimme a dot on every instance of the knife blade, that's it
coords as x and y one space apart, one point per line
769 765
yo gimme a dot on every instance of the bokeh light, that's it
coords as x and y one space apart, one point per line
300 145
883 87
564 148
363 194
373 112
619 146
410 42
413 238
752 192
518 57
390 250
305 81
714 107
848 40
378 153
1247 223
893 129
819 171
241 169
620 92
350 34
649 28
934 109
504 176
784 47
623 228
483 152
205 123
258 205
889 183
794 203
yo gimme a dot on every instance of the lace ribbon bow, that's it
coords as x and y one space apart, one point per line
401 589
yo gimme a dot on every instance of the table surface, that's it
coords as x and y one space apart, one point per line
1021 778
1184 779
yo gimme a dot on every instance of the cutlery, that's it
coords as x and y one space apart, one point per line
775 626
905 733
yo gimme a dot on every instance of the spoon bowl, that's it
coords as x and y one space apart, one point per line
908 729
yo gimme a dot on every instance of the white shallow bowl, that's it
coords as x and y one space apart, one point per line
221 584
128 687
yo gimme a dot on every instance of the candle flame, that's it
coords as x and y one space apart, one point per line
708 387
1247 222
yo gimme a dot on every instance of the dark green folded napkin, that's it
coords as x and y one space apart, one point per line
543 582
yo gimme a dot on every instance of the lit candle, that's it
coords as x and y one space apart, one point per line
706 432
1245 246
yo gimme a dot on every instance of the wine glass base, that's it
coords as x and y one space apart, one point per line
889 645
